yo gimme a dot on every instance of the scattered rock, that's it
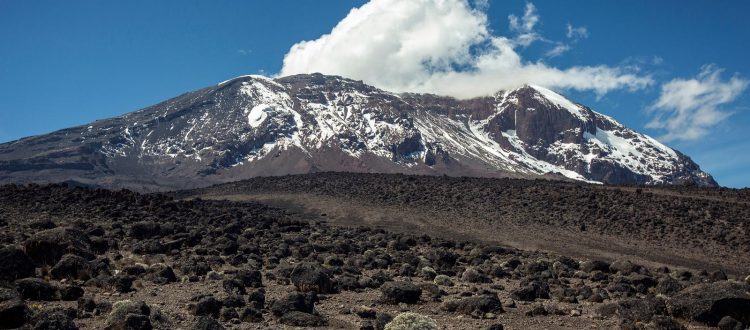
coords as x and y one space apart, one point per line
364 312
13 313
71 293
206 306
595 265
249 278
53 320
14 264
624 267
730 323
71 267
295 301
206 323
475 306
250 314
144 229
228 313
661 322
531 292
127 314
47 247
312 277
537 310
301 319
160 274
668 286
633 310
718 275
36 289
710 302
400 292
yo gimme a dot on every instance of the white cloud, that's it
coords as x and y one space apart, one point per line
524 26
443 47
558 50
687 109
577 32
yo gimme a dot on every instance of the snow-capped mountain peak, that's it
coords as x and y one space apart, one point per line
254 125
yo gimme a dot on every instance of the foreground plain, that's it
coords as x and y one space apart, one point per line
92 259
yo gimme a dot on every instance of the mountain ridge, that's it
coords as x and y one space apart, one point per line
254 126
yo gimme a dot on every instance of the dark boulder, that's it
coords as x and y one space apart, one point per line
718 275
442 259
301 319
295 301
13 313
206 323
257 299
624 267
233 300
71 293
47 247
400 292
475 306
531 291
160 274
594 265
643 310
14 264
134 322
537 310
233 287
123 283
71 267
710 302
134 270
144 229
668 286
249 278
207 306
36 289
55 320
42 224
312 277
662 322
149 246
228 313
729 323
252 315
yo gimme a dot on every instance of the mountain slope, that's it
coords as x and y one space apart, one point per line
253 125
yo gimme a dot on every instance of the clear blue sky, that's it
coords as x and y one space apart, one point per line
65 63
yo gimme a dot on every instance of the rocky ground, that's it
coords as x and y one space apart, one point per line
94 259
690 227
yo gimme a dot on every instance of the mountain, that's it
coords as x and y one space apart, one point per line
256 126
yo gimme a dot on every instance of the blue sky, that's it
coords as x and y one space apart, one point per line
65 63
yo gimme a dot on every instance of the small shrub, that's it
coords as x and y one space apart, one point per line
411 321
443 280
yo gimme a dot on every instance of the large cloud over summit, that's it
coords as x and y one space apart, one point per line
442 47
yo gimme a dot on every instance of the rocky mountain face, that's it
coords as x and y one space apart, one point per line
256 126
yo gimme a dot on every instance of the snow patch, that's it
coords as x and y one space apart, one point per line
258 115
559 100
